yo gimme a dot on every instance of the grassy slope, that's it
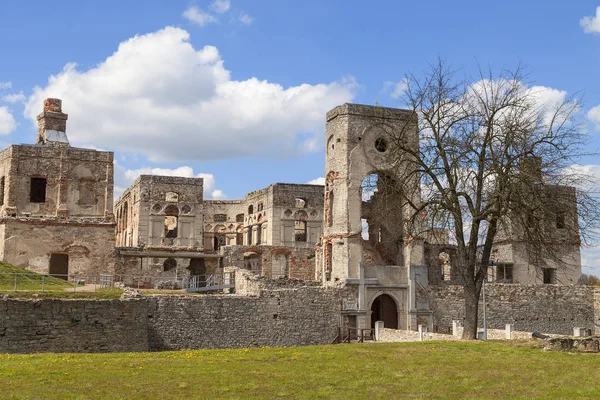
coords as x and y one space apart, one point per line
29 282
403 370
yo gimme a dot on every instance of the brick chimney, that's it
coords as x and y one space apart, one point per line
52 124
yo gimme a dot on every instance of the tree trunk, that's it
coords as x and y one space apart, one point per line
471 312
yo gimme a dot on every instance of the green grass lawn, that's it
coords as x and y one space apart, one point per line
427 370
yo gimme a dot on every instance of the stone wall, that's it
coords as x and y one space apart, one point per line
542 308
283 317
273 261
48 325
267 313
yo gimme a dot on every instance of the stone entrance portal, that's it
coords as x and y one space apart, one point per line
59 264
384 309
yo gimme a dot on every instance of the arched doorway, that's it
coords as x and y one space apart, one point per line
384 309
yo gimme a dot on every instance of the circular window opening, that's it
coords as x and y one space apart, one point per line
381 145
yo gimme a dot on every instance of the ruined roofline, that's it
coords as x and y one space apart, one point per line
371 111
168 180
212 201
318 188
71 148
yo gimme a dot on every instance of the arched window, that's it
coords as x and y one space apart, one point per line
250 209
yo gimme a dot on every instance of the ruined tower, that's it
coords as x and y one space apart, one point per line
364 241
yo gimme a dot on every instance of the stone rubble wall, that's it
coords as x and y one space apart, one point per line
542 308
52 325
304 316
277 313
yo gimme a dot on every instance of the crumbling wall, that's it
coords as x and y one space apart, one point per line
29 243
275 261
544 308
141 211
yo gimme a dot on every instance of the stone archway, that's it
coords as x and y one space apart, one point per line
384 309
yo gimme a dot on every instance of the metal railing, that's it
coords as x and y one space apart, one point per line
348 334
202 283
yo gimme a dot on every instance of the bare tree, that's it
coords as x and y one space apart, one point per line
494 160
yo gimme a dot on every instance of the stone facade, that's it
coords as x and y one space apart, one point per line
281 215
161 212
165 228
273 261
56 202
159 233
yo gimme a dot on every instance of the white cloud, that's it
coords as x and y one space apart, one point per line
14 98
220 6
125 177
591 24
396 88
199 17
589 174
318 181
594 115
7 121
590 260
245 19
5 85
158 96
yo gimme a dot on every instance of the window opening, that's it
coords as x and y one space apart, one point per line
549 275
169 264
300 231
381 145
2 191
37 193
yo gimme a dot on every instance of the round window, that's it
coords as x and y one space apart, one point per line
381 145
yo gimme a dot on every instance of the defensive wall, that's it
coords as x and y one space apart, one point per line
263 312
543 308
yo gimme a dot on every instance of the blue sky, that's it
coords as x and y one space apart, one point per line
236 91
